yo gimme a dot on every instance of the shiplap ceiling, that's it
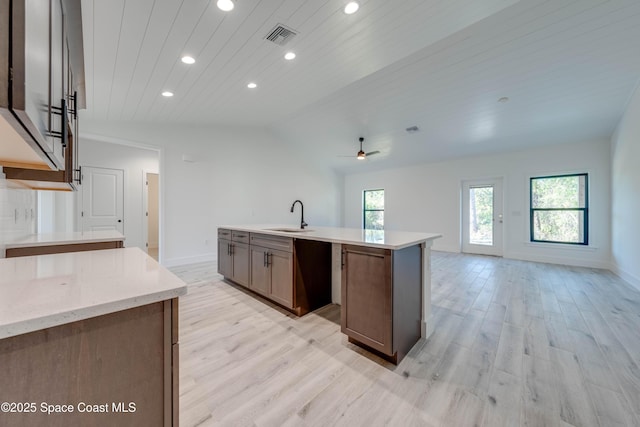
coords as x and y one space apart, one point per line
568 68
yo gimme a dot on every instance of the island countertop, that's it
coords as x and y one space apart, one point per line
38 292
62 238
387 239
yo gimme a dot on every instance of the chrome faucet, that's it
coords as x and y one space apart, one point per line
302 223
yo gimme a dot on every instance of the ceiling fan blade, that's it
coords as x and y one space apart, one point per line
371 153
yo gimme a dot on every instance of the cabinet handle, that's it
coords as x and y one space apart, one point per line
79 170
342 255
268 255
73 111
264 259
230 248
61 111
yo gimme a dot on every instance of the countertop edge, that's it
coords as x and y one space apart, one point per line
38 323
306 236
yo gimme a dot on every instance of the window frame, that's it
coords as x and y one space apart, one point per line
585 209
365 210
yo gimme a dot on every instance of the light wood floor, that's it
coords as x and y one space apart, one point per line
516 343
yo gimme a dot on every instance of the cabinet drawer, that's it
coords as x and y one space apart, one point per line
272 242
223 233
240 236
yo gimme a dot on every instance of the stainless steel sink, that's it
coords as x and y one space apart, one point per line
289 230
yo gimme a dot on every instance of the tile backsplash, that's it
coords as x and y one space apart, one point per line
17 212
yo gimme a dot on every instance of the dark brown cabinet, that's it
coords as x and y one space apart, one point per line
41 70
381 298
272 268
293 273
233 256
225 266
128 356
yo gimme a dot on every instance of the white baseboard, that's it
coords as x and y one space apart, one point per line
175 262
444 248
563 260
632 279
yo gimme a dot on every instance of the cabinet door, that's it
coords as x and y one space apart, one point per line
281 265
367 296
240 254
58 76
260 272
31 66
224 258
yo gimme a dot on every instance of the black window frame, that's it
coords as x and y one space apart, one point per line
365 210
585 209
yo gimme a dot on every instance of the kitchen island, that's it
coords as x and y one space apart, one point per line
91 336
382 279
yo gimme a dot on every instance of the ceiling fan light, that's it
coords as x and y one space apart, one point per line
361 155
225 5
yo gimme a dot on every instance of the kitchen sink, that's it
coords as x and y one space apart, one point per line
289 230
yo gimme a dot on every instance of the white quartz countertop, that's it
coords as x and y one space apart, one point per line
68 238
38 292
355 236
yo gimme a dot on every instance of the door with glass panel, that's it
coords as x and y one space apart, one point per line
482 217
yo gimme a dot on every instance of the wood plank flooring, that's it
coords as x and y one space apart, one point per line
516 343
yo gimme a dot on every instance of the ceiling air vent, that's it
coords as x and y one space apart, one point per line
281 35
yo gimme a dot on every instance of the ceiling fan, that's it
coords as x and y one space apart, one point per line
361 154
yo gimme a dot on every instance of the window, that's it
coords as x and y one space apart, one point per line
560 209
373 211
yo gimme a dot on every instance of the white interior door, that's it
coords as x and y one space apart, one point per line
151 219
482 217
102 199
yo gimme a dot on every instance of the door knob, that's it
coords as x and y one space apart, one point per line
119 220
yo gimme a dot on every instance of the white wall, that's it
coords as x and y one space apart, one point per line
56 211
240 175
625 194
428 198
134 162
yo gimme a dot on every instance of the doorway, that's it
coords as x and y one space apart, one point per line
102 199
152 217
482 217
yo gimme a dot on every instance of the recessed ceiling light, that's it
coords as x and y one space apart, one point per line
188 60
225 5
351 7
252 85
167 94
503 99
289 56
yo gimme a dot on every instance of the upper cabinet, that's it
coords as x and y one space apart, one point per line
41 89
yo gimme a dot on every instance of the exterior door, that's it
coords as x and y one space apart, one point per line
102 199
482 217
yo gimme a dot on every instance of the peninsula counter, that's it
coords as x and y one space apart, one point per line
89 328
61 242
